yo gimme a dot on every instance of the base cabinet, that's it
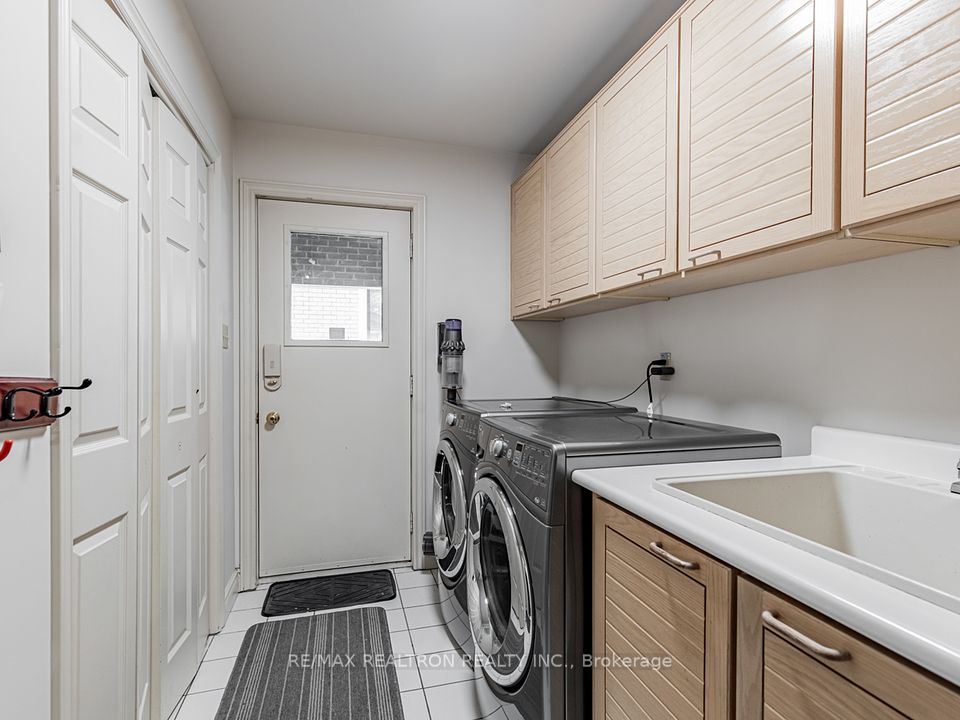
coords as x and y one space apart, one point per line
793 664
677 635
663 619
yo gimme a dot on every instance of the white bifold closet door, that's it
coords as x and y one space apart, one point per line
98 440
182 253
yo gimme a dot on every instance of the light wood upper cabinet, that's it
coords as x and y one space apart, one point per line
526 241
901 115
794 665
571 216
721 140
637 168
758 112
657 598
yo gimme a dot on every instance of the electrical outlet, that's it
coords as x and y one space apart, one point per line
669 358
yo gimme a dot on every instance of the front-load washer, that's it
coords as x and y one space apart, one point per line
453 472
528 569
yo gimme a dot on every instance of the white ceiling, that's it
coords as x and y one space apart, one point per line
504 74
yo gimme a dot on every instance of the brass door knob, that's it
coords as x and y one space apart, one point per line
273 418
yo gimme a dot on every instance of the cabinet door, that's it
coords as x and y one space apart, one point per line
758 112
637 168
901 115
662 624
571 205
526 242
794 665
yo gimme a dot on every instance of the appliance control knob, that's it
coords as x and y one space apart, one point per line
498 448
451 419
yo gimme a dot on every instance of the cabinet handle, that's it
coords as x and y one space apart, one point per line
771 620
534 307
554 300
657 549
702 259
650 274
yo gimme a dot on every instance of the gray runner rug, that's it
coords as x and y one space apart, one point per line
322 667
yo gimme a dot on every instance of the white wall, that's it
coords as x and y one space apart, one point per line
171 27
871 346
25 508
468 221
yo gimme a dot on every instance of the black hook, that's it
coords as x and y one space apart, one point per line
9 409
45 407
45 400
85 383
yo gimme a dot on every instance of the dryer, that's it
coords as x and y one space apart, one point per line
453 475
528 560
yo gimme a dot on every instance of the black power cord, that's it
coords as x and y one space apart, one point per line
656 367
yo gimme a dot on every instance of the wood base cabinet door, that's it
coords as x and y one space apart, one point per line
758 111
901 106
794 665
637 168
663 618
526 242
571 188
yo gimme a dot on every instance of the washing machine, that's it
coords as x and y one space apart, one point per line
528 555
453 472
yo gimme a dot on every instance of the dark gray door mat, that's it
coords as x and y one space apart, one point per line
329 593
322 667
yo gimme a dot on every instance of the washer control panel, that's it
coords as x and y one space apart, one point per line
529 466
464 424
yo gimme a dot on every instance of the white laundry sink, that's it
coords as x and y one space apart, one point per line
900 530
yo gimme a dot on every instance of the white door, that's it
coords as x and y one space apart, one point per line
25 488
334 482
147 383
201 349
181 262
99 336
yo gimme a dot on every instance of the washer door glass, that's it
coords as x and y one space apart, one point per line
449 512
498 586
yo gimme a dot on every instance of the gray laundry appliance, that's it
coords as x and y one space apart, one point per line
528 559
453 473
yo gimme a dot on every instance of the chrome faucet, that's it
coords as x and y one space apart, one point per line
955 488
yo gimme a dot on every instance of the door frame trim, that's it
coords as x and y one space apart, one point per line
252 190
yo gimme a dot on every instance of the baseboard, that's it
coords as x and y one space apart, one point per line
230 593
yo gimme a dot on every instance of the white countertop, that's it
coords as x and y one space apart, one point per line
920 631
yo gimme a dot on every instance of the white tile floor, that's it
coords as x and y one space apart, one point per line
435 681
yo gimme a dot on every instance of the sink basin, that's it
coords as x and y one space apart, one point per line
902 531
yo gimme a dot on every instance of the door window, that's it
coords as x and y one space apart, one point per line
495 565
335 288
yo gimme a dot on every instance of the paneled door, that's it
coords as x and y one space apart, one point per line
901 85
335 386
181 262
637 168
758 109
147 385
571 221
99 335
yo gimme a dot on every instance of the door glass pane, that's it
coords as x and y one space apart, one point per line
449 513
336 288
495 564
